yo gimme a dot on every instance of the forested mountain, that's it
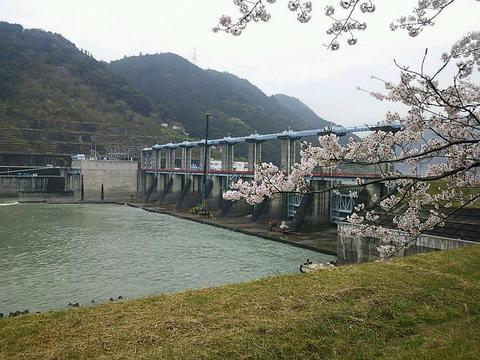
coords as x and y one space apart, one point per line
188 92
302 111
56 98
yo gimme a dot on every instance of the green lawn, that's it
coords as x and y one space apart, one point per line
437 186
422 307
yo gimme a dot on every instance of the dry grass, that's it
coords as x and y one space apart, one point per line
421 307
438 186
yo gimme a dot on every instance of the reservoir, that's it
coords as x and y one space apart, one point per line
51 255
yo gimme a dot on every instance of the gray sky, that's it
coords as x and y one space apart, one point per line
282 56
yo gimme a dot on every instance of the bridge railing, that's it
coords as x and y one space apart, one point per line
330 174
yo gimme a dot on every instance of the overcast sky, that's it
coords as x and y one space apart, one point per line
282 56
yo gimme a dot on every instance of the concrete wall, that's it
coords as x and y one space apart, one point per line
15 185
318 214
119 178
365 249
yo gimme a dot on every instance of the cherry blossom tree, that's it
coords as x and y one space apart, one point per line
440 133
346 18
344 23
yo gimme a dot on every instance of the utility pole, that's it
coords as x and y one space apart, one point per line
206 161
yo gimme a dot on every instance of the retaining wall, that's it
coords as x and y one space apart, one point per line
358 250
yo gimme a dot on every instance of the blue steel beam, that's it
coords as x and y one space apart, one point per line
337 130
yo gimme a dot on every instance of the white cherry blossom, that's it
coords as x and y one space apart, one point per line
346 16
440 131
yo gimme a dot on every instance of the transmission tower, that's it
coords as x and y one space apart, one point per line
194 58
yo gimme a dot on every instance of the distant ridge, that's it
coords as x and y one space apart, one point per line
56 98
187 92
302 111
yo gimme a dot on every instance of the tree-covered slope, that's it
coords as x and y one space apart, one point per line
56 98
188 92
302 111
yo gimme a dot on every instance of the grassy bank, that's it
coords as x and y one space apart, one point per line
420 307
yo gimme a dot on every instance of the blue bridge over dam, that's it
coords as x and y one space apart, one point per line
171 175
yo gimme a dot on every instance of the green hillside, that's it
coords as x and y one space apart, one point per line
302 111
56 98
187 92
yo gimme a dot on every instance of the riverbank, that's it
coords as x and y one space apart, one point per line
419 307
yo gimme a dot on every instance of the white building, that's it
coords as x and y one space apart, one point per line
215 164
240 166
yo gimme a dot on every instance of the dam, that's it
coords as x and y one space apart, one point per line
167 178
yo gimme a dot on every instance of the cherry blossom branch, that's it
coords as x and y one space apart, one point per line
440 131
256 10
414 24
348 24
226 24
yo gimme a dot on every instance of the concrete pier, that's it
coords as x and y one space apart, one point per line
254 153
228 155
202 156
287 151
170 158
186 157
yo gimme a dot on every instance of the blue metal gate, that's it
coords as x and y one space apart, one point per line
293 203
342 204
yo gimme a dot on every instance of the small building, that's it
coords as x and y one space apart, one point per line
79 157
215 164
240 166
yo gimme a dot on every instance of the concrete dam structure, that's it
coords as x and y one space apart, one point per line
167 176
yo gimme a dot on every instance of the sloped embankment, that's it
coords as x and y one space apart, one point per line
419 307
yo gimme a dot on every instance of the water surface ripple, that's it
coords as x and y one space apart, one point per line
51 255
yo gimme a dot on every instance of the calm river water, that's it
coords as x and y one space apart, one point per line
51 255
